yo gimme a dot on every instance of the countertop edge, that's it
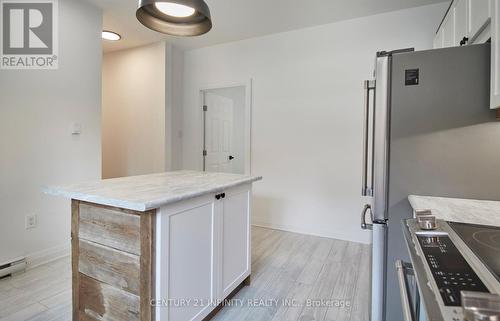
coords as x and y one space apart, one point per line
412 200
146 206
55 191
470 211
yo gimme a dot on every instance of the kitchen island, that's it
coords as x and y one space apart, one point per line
168 246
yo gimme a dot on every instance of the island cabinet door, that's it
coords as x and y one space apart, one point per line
186 262
235 251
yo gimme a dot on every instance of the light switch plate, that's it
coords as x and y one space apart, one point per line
76 128
31 221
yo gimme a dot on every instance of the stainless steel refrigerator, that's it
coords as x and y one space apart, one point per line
428 131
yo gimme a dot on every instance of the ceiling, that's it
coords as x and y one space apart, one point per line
241 19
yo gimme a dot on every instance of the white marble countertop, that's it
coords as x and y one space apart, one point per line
146 192
459 210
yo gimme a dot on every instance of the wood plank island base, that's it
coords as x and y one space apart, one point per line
162 247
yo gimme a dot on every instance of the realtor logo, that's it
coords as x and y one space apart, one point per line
29 34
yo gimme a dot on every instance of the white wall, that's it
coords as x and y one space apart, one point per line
307 113
134 111
37 108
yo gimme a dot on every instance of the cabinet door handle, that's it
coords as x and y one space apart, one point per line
223 195
464 41
218 196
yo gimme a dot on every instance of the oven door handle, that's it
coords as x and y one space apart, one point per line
403 269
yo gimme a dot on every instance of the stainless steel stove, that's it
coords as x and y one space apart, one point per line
457 268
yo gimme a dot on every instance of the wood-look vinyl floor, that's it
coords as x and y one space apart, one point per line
295 277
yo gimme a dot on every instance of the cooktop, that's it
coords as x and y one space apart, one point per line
484 241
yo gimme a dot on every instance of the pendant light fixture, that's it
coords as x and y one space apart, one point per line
175 17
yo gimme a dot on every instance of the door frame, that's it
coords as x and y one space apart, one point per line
248 119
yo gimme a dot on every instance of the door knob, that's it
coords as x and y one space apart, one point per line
231 157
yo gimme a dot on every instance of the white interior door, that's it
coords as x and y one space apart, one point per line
218 133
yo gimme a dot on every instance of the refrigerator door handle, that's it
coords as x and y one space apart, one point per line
364 225
403 269
369 85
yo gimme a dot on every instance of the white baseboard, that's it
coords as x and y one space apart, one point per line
46 256
293 229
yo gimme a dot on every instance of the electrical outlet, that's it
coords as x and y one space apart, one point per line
31 221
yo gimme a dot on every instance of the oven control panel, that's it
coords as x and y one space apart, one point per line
449 269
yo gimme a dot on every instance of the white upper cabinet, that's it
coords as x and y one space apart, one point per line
449 29
495 54
473 22
478 16
466 22
438 39
461 25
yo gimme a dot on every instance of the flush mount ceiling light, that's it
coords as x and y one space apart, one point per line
110 35
175 17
